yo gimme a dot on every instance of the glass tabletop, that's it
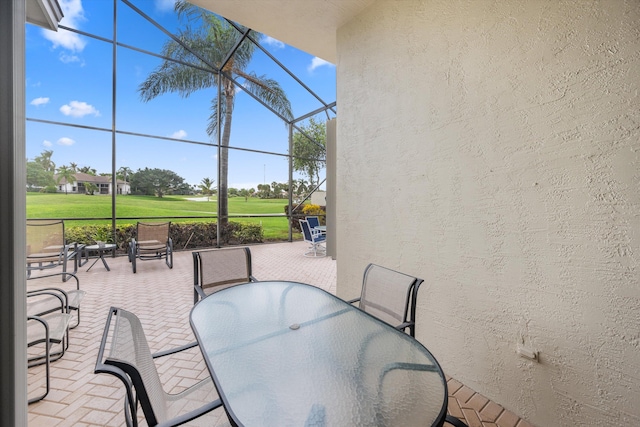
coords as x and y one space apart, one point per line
290 354
105 247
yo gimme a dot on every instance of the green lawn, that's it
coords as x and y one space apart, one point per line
41 205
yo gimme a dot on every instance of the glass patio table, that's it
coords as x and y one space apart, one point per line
290 354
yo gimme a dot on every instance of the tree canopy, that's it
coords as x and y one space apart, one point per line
309 150
158 182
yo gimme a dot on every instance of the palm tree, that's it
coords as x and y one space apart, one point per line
123 173
88 170
74 167
213 40
45 160
205 187
68 175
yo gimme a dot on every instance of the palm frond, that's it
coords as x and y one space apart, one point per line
190 12
268 91
172 76
212 125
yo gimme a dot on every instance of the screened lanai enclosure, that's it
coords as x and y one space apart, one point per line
129 99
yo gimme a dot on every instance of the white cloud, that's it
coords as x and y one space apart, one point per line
66 141
317 62
47 143
66 58
272 42
39 101
179 134
73 15
78 109
165 5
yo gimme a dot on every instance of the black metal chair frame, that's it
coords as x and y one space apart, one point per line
43 319
66 252
137 252
409 317
198 291
136 392
72 297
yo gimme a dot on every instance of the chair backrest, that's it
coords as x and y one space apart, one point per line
129 351
306 230
148 231
313 221
216 269
389 295
44 235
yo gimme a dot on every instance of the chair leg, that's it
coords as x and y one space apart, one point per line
169 259
454 421
47 366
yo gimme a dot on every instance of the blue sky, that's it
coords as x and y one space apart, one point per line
69 80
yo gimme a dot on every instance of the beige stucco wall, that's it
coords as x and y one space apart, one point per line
493 149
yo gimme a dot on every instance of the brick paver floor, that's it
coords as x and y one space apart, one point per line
162 298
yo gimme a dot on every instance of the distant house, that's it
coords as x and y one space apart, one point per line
82 179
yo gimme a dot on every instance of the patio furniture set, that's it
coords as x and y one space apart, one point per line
51 310
286 353
278 352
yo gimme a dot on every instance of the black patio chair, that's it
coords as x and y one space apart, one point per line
390 296
49 329
216 269
47 246
130 360
152 241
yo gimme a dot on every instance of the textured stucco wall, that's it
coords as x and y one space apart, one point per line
493 149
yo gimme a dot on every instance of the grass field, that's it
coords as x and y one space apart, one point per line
41 205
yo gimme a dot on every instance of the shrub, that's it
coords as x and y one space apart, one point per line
249 233
303 211
190 235
297 214
49 189
313 210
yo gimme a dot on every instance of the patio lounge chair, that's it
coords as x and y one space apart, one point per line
390 296
315 238
48 329
216 269
47 246
50 303
152 241
129 359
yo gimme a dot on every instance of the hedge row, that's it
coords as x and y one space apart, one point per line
184 235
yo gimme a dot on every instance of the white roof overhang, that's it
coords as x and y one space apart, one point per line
45 13
308 25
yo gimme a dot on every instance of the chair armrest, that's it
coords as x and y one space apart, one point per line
45 308
184 418
200 291
66 275
351 301
404 326
174 350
